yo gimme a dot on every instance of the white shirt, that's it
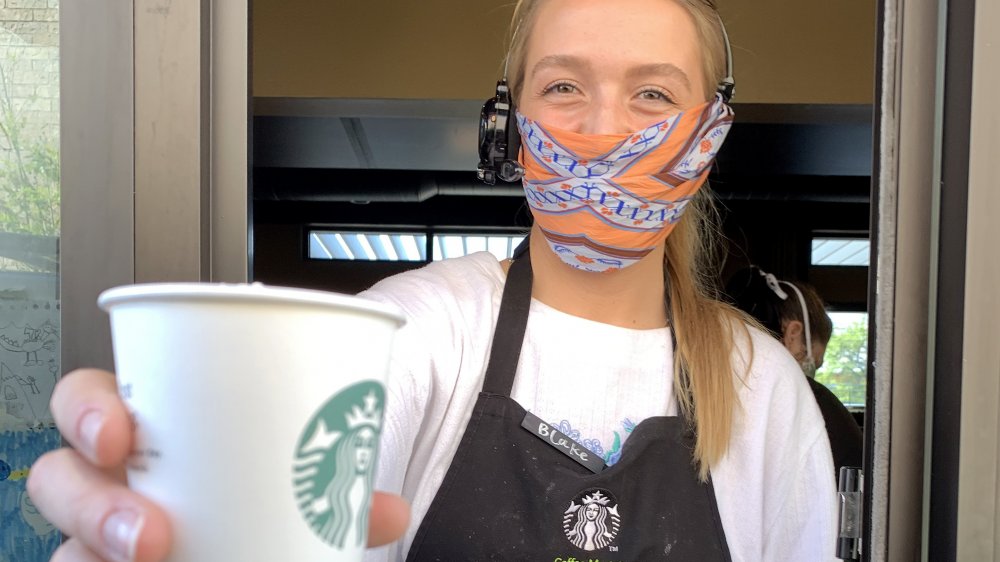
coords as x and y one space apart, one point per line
774 487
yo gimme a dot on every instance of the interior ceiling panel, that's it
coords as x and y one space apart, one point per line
303 142
382 134
442 136
423 144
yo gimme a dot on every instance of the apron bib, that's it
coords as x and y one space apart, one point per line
512 495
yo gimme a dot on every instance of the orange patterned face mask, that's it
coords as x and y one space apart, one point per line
603 202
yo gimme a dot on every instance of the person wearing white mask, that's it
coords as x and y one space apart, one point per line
591 398
793 312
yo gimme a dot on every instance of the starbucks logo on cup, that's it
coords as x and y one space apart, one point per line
334 461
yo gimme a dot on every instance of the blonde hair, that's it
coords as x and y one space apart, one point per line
705 328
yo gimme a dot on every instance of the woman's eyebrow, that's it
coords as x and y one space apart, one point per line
571 62
664 69
560 61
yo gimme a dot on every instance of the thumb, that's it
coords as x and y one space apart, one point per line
388 520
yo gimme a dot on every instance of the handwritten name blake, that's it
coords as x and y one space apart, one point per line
559 440
562 443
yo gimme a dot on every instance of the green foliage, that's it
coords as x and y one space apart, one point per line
845 365
29 167
29 170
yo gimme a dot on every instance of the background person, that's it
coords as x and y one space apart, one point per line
794 314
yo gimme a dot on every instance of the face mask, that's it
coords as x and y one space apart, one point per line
603 202
808 366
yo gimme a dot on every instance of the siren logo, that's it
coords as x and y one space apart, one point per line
592 521
334 459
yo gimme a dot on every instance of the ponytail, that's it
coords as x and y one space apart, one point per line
705 329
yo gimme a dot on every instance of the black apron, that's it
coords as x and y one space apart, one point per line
510 495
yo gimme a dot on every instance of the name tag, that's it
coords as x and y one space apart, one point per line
562 443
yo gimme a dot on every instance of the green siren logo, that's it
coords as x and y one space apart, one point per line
592 520
332 471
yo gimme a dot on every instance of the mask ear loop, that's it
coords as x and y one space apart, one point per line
805 321
775 286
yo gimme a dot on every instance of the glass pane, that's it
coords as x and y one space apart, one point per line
29 267
840 251
400 246
845 363
456 245
367 246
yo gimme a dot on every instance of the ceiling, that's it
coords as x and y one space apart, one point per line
350 149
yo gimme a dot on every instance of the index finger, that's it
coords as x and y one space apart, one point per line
92 417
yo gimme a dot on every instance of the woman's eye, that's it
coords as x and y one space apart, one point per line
655 95
560 88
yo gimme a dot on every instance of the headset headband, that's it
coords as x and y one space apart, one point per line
728 85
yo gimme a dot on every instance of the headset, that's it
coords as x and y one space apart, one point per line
500 141
498 138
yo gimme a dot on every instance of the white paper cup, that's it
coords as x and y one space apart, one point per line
257 411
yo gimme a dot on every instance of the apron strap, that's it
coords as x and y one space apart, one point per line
511 324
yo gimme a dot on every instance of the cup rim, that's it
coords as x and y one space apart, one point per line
246 292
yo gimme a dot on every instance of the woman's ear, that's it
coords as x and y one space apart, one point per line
792 337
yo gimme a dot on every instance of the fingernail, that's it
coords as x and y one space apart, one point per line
121 532
90 426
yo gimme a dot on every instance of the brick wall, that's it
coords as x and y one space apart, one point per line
29 61
29 118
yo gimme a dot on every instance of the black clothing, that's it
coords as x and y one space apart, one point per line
845 435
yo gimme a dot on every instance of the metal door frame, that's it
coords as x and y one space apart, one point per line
932 451
900 281
978 494
155 118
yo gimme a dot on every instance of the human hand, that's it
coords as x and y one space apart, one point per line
82 490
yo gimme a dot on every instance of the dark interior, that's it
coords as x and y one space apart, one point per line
786 174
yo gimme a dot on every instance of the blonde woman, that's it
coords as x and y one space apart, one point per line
604 318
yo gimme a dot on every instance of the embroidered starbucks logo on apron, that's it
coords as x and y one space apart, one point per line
333 465
592 521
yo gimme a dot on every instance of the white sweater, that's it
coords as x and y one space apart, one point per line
774 487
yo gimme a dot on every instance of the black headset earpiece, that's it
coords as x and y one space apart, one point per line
499 139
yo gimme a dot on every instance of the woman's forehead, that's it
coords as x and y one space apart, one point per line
631 35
